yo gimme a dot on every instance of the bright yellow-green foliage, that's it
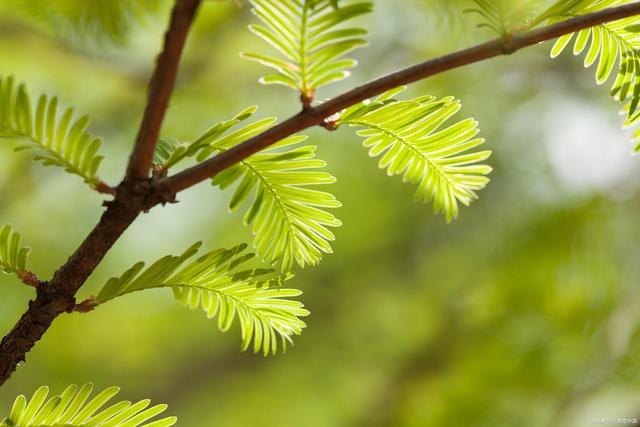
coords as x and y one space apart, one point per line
287 213
410 315
411 141
58 139
13 257
310 37
614 46
72 408
215 282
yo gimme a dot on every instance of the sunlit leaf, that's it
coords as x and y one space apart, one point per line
72 408
59 139
309 39
410 140
13 256
613 47
222 286
287 213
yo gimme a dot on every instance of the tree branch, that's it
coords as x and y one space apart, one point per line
160 88
131 197
315 116
58 297
137 194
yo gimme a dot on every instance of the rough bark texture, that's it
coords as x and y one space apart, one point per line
134 195
57 296
137 193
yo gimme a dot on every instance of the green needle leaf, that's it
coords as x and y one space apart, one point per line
408 139
69 410
216 283
58 141
286 212
310 38
612 46
13 257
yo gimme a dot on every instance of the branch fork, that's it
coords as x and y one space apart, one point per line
139 193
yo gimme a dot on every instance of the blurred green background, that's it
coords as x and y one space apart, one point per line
523 312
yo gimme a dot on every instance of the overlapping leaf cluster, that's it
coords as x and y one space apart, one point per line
72 408
287 214
290 218
613 46
216 283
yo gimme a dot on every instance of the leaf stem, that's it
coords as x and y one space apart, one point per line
306 95
104 188
85 306
29 278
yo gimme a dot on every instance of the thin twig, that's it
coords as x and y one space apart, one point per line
316 115
134 197
104 188
29 278
130 199
160 88
85 306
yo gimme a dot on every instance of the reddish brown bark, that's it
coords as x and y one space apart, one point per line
137 193
315 116
133 196
160 88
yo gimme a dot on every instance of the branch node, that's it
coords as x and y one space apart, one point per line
331 123
160 195
508 47
104 188
85 306
29 278
159 171
306 98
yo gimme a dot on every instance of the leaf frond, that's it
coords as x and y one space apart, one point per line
287 213
59 139
502 17
72 408
13 256
613 47
219 284
170 151
410 139
310 40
